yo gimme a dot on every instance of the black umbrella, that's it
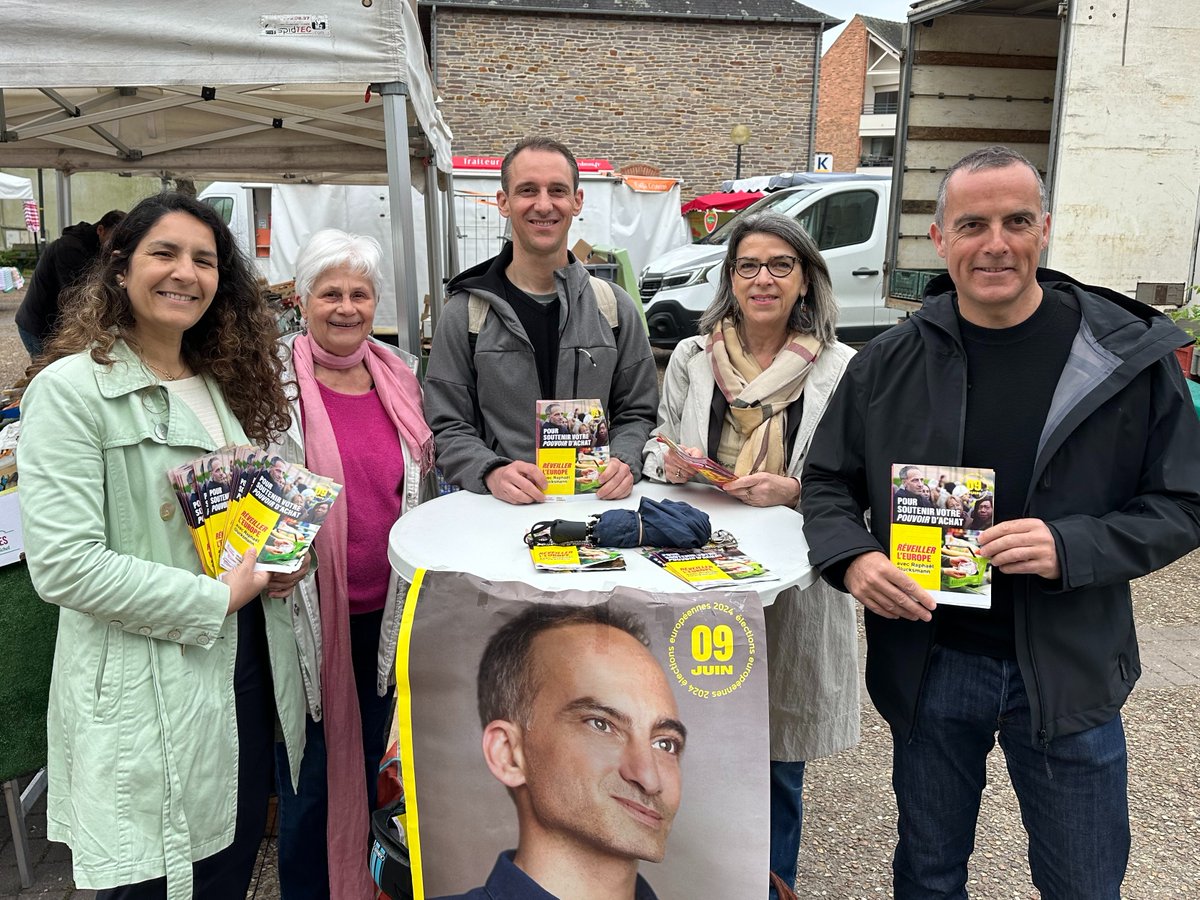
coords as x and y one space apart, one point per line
655 523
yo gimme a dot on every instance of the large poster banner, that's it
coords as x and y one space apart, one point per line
617 735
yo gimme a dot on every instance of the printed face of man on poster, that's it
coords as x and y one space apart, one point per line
581 726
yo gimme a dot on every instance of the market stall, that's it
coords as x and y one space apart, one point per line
232 89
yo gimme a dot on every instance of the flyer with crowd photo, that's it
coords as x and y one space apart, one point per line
938 513
708 469
239 497
701 669
572 445
710 567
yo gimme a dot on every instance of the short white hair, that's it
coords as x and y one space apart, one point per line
330 248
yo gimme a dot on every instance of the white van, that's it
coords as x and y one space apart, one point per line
848 220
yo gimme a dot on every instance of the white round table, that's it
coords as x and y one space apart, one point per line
478 534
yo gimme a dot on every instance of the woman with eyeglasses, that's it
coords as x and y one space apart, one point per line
748 391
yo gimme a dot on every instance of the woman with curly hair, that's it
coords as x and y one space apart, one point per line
167 683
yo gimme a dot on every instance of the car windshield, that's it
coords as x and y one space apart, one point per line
780 202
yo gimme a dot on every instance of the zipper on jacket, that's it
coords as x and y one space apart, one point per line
575 379
1043 741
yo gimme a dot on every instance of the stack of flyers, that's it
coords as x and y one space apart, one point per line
572 558
710 567
239 498
709 469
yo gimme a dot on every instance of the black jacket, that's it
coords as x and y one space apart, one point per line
60 266
1117 480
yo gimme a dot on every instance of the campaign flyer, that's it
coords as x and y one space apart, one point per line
572 445
709 469
938 513
645 721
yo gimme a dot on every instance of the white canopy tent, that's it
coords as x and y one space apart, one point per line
14 187
231 89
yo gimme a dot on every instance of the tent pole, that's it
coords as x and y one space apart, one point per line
433 233
41 198
395 125
453 263
62 189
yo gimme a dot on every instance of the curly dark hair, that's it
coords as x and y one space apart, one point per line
234 341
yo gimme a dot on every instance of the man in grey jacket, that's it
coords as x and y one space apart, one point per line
542 335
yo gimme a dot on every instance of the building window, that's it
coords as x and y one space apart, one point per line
877 151
886 103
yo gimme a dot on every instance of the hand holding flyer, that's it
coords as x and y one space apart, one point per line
239 498
935 531
708 468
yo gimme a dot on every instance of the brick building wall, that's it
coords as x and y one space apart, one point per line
659 91
842 82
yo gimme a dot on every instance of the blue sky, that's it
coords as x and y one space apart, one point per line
896 10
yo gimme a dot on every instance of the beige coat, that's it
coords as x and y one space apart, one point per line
812 646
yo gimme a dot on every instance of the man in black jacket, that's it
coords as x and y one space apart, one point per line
60 266
1073 397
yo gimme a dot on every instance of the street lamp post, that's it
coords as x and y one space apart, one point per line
739 134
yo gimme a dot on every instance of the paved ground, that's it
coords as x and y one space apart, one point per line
850 814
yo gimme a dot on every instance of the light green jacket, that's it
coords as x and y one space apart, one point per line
141 728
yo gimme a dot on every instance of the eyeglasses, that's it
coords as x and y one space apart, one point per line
779 266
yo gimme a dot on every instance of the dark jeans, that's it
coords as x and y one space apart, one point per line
787 817
33 343
1072 792
303 861
226 874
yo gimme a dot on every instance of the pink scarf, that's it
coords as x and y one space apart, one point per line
348 824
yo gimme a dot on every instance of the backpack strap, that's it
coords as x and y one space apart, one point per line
477 313
606 301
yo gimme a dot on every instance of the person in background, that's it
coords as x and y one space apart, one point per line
546 333
357 419
168 684
749 392
61 264
981 514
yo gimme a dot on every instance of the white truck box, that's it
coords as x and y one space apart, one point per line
1102 96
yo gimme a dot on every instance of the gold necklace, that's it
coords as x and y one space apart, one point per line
163 373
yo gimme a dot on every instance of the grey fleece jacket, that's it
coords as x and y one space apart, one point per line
481 406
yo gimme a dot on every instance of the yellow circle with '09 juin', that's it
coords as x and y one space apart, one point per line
712 650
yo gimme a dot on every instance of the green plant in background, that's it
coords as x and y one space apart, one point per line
22 256
1188 317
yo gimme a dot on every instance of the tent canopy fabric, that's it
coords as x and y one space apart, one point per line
14 187
220 88
727 201
231 90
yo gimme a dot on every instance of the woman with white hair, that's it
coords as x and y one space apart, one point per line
356 418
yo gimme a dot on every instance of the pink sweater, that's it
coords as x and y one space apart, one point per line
373 493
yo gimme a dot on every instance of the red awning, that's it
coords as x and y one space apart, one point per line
736 200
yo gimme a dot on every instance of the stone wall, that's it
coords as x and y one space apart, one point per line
639 90
839 110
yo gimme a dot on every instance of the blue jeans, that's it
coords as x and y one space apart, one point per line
787 817
1072 792
33 343
303 860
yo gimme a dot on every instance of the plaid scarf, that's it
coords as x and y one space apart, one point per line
758 398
